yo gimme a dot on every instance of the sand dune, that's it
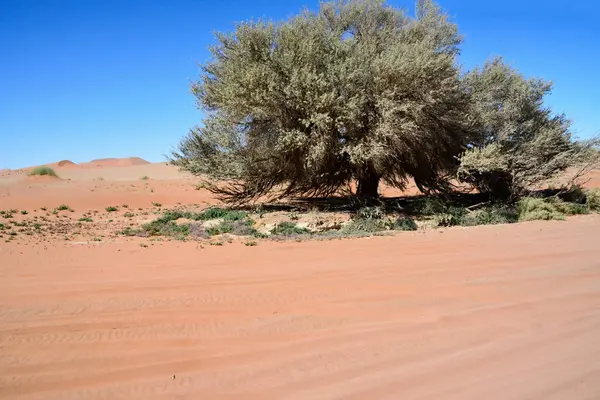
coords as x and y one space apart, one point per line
115 162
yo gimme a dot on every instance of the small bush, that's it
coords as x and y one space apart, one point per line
592 199
196 231
492 215
129 215
155 204
216 212
24 212
43 171
533 208
168 228
236 227
365 225
85 219
286 228
404 224
112 209
144 178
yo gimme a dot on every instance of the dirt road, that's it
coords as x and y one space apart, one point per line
497 312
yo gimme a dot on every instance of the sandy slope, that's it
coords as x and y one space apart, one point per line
507 312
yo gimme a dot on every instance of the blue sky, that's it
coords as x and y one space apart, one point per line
84 79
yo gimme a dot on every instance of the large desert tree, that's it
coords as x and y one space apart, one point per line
357 91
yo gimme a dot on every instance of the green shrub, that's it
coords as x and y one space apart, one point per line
592 199
43 171
492 215
534 208
168 228
404 224
112 208
287 228
63 207
365 225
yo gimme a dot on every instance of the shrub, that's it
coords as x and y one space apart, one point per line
112 208
492 215
287 228
404 223
63 207
168 228
533 208
43 171
593 199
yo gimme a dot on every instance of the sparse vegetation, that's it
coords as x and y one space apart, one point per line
593 199
155 204
43 171
532 208
288 229
112 209
85 219
63 207
144 178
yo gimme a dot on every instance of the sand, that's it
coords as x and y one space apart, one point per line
496 312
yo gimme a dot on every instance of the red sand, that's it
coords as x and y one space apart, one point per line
497 312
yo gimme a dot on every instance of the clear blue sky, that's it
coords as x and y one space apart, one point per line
84 79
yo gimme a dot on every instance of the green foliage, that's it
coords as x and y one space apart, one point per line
533 208
43 171
287 228
593 199
168 228
357 91
63 207
85 219
520 143
112 209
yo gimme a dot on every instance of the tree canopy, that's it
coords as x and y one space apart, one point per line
359 91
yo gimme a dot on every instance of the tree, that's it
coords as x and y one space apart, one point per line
356 92
520 143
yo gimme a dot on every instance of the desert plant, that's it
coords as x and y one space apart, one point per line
520 143
112 209
592 199
43 171
287 228
356 92
534 208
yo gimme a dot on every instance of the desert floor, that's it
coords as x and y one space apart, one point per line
493 312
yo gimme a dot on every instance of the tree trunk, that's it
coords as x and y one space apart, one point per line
368 184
